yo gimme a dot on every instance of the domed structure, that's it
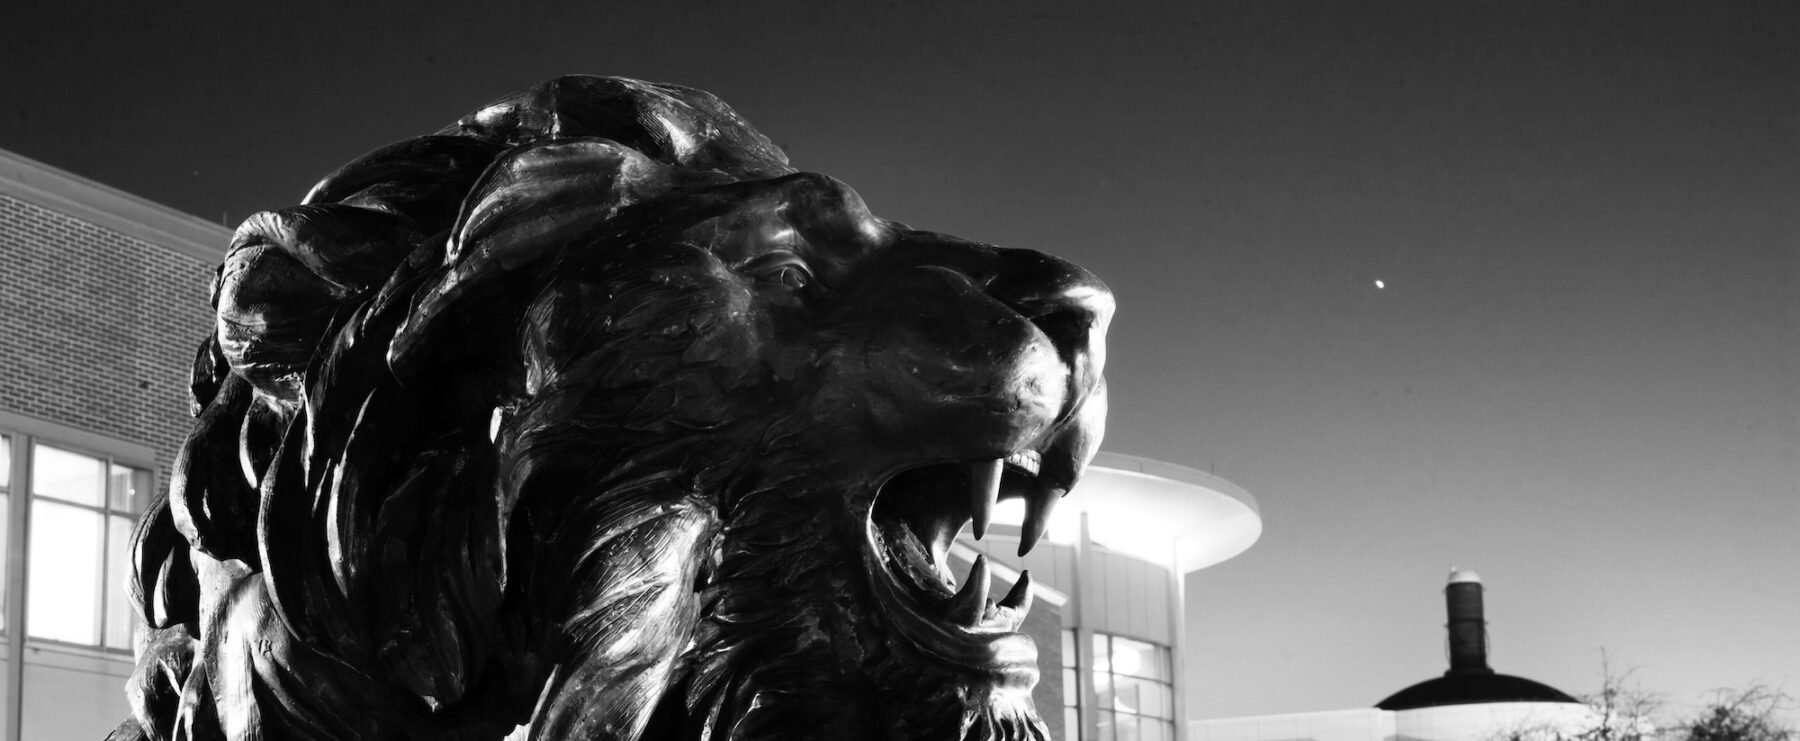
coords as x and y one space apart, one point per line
1470 702
1470 689
1469 680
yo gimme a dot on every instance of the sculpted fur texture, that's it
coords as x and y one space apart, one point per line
588 417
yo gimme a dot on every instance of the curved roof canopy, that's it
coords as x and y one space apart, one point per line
1159 512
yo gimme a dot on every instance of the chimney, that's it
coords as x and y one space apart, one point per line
1467 626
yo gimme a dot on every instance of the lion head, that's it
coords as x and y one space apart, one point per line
589 416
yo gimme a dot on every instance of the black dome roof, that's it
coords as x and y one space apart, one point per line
1469 688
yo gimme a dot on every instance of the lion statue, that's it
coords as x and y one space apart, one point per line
588 417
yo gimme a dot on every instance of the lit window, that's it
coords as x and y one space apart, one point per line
1071 684
1134 684
5 508
83 510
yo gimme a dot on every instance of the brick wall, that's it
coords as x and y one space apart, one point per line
97 328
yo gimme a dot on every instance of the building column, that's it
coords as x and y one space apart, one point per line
1084 636
1178 639
18 499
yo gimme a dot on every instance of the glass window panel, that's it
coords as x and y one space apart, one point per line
1071 690
1071 724
5 507
68 476
1126 727
119 617
1069 657
1126 691
1157 700
1136 658
1103 693
1151 730
1102 662
1104 719
63 601
5 555
130 489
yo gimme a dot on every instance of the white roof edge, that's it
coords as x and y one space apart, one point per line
1148 467
78 197
1167 513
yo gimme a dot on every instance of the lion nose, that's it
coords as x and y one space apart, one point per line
1068 303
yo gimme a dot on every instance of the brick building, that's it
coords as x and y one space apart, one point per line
103 299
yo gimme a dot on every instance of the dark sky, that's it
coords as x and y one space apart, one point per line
1581 379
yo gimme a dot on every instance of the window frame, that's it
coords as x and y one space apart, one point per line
1075 715
24 434
1107 717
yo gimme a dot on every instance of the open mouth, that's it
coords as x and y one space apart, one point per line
920 511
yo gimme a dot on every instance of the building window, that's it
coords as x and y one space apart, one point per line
1071 686
5 523
1134 684
78 521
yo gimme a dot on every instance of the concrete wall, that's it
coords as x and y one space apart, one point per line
1487 721
72 694
1362 724
1476 722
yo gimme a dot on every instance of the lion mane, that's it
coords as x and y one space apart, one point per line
588 417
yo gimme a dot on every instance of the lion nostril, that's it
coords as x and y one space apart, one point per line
1071 317
1065 301
1068 328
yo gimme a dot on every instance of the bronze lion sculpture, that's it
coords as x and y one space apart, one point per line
588 417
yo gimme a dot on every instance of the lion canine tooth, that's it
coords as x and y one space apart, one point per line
968 605
984 493
1038 505
1019 597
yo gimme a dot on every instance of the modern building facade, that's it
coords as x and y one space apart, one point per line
1112 567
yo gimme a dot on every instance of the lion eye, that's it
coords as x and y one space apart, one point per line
791 276
786 271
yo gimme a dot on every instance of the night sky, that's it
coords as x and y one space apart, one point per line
1580 375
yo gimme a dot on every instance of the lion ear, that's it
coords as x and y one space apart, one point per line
532 203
